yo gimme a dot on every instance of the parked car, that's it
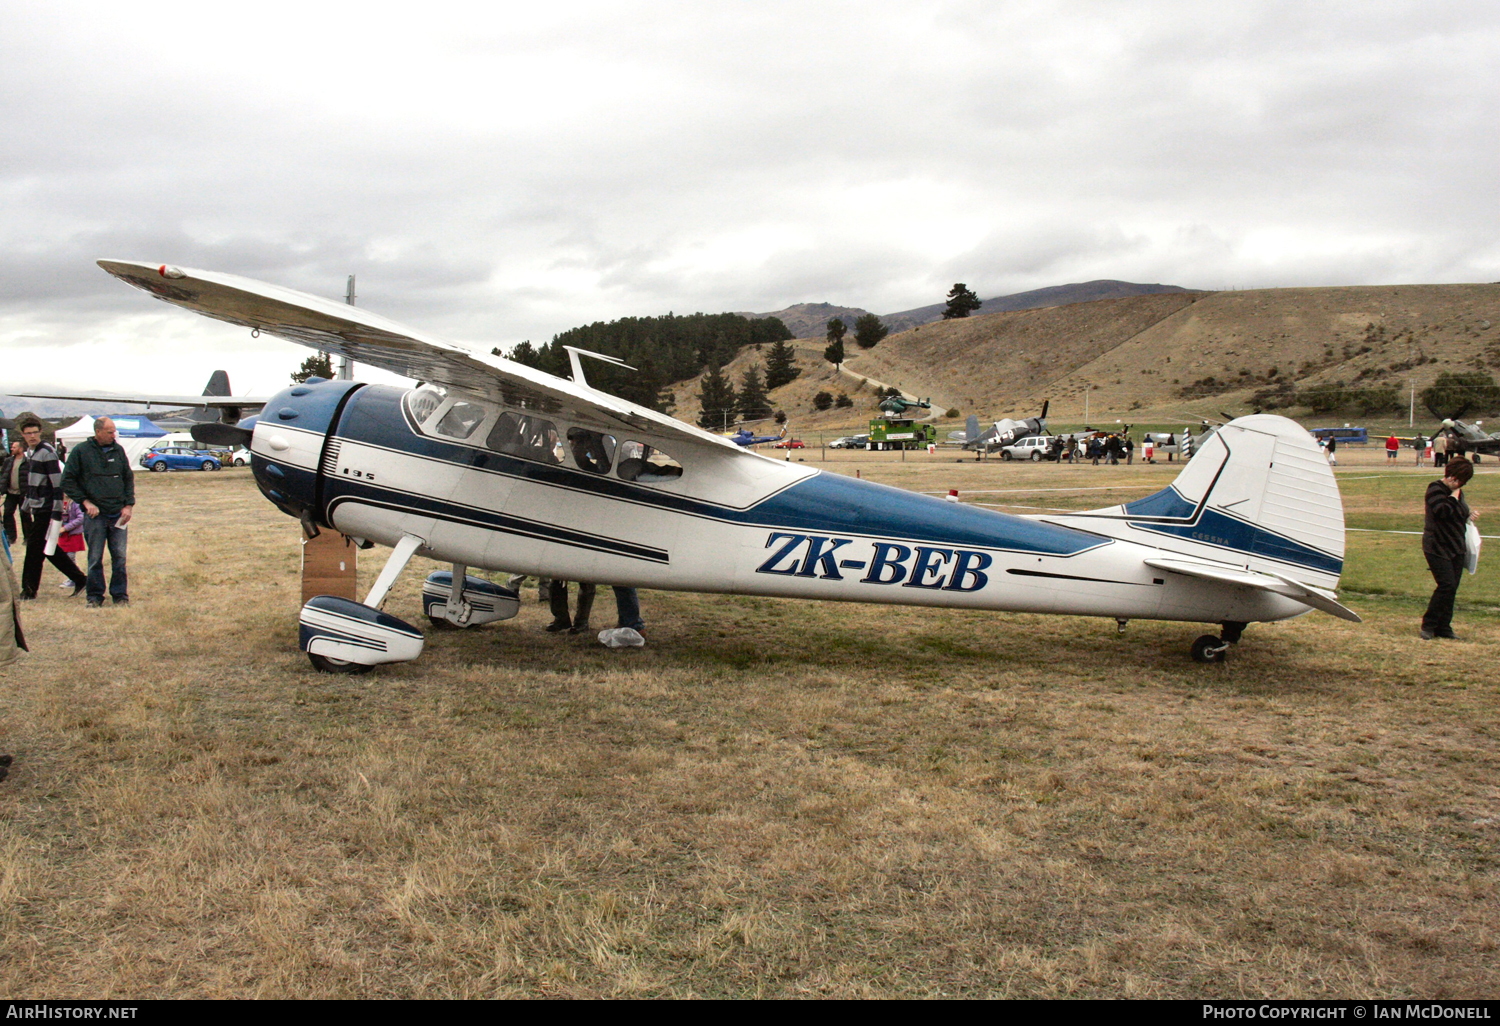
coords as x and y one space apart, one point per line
175 457
790 443
239 458
847 442
1033 447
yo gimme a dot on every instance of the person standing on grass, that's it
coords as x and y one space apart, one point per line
43 500
1392 447
558 599
99 478
1333 451
10 473
1443 543
12 641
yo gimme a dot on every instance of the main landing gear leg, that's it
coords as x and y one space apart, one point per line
458 611
400 556
1209 649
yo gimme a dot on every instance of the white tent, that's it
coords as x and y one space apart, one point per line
135 434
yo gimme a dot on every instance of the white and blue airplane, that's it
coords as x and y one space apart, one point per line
495 465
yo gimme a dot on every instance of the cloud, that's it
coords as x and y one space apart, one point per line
498 174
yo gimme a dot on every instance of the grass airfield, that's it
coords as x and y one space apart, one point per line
773 799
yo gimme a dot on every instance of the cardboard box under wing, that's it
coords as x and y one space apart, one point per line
328 565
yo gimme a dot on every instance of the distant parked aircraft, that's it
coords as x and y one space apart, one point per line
1472 439
203 415
744 436
1001 433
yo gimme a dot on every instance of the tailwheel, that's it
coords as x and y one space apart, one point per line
1209 649
326 664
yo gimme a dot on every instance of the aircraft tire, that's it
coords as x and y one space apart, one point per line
325 665
1209 649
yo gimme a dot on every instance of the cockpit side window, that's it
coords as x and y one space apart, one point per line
643 464
591 450
460 420
530 438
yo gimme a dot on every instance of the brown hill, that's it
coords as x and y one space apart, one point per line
810 320
1152 355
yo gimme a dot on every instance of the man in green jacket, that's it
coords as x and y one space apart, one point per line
100 479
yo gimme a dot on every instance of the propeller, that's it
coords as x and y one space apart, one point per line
232 435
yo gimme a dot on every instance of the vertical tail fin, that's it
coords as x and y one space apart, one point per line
1259 494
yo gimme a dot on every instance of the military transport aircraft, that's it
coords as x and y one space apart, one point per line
1472 439
492 464
1001 433
214 407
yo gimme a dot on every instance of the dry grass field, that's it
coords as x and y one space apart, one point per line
772 799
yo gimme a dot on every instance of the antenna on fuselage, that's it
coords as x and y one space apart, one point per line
573 357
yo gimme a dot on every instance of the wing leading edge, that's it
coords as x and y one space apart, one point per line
365 337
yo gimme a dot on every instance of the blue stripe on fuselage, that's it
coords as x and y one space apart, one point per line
828 503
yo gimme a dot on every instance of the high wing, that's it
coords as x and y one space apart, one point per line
364 337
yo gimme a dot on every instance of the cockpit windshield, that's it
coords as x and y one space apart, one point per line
422 402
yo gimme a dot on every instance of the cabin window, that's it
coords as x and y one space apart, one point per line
645 465
423 402
591 450
460 420
530 438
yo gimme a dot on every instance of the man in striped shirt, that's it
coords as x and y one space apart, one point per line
43 500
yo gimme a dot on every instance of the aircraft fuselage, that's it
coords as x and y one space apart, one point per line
361 459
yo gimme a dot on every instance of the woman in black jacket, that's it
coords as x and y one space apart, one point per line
1443 543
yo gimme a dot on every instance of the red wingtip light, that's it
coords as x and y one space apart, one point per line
167 271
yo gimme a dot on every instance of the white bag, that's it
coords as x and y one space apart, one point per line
54 532
1472 541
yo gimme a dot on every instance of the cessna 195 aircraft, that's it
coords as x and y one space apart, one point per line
492 464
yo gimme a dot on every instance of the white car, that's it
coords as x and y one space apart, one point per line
239 458
1033 447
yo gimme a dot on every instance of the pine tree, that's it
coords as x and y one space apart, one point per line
717 398
752 402
868 331
961 302
318 366
781 366
834 354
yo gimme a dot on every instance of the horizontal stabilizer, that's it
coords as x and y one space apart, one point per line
1308 595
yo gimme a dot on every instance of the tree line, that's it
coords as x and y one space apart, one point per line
662 349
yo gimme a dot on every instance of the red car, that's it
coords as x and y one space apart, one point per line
790 443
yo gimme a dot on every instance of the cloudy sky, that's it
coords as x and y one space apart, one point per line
498 172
